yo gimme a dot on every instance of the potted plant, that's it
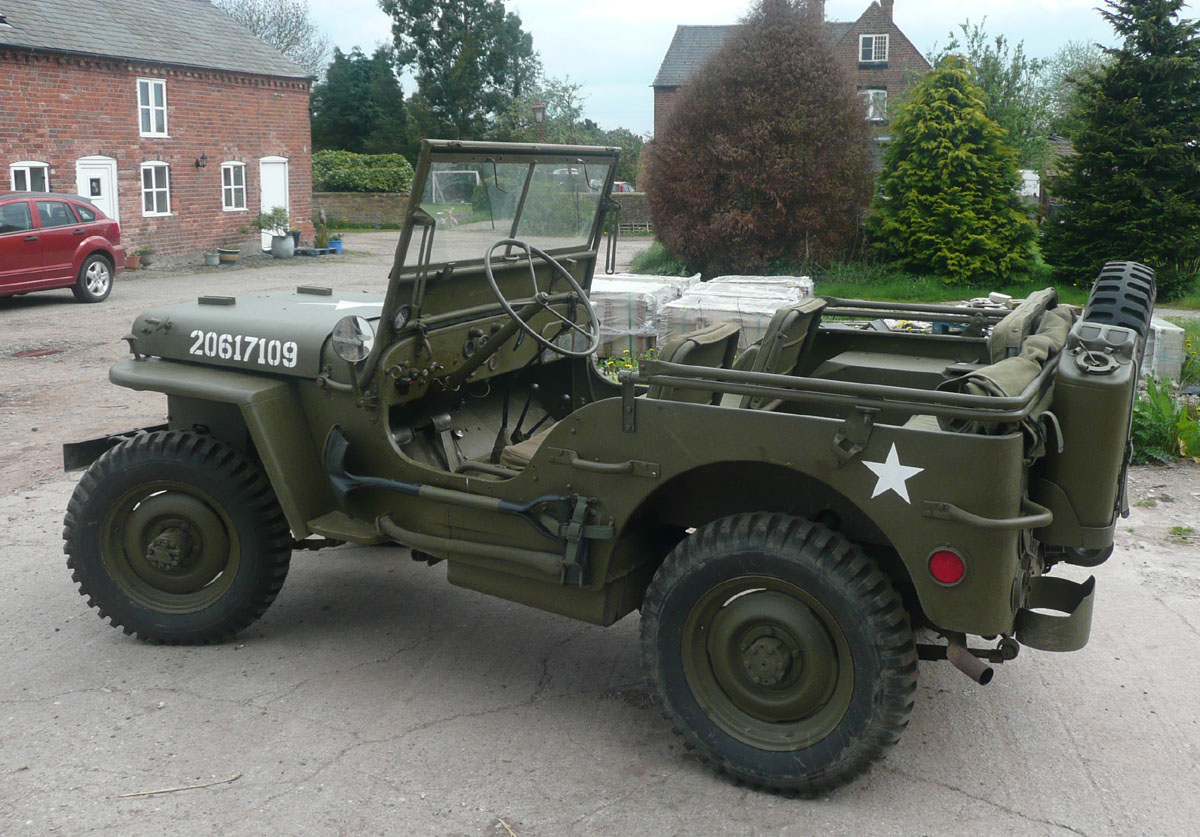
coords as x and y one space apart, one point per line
228 255
133 258
212 259
146 253
335 242
275 224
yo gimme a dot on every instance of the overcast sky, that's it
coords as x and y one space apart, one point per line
614 47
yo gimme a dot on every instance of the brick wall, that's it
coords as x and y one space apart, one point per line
57 109
635 210
664 101
361 209
903 67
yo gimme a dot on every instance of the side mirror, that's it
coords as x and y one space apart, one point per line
353 339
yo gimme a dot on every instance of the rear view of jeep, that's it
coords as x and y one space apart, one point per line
798 519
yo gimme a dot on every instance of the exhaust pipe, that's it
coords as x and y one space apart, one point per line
966 662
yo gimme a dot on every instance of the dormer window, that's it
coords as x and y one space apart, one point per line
873 49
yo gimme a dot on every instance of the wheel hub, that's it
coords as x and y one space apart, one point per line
766 660
172 546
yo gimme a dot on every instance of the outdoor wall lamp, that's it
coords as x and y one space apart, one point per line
202 161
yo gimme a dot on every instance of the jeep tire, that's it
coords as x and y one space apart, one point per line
1123 295
780 651
177 538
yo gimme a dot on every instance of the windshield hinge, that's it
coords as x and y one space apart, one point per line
854 434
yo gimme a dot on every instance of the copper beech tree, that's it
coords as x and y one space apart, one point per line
765 158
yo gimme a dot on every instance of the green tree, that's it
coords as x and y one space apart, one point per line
1012 87
470 59
1062 75
359 106
1133 189
766 156
947 202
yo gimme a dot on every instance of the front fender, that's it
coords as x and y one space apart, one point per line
274 417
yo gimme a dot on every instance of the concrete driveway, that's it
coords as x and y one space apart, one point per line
375 698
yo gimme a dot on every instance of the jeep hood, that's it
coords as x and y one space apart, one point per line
275 333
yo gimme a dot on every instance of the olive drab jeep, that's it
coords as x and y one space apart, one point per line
785 516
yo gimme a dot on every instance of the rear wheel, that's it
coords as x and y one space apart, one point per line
1123 296
780 651
95 280
177 538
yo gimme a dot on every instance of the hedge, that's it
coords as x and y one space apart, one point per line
344 171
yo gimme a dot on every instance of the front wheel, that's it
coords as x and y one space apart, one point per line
177 538
780 652
95 280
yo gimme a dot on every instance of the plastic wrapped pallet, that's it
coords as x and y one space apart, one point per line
1164 350
801 284
628 307
702 309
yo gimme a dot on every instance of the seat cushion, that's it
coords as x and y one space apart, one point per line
518 456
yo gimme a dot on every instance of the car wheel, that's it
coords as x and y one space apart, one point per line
177 538
1124 296
95 279
781 653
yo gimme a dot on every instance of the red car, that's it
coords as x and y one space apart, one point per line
57 241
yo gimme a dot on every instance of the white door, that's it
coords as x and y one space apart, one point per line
96 180
273 180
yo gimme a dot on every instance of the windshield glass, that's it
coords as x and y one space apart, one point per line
475 205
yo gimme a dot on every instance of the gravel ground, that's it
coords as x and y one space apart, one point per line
375 698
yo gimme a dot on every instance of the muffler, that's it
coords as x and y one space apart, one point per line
966 662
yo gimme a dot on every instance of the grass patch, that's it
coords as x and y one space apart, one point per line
883 283
658 262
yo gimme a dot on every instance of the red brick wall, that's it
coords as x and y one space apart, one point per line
57 109
904 64
664 100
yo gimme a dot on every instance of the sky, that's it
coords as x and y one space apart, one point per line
613 48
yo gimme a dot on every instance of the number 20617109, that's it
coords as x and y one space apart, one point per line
244 348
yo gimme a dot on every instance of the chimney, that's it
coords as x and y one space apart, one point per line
889 8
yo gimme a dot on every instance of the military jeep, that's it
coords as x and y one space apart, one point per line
798 521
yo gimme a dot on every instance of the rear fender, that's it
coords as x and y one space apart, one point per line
273 416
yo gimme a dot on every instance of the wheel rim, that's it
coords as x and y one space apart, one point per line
170 547
767 663
98 278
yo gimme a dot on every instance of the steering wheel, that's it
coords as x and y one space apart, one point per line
542 299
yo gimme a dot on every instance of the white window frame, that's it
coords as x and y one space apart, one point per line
880 49
151 108
165 187
231 189
876 99
26 166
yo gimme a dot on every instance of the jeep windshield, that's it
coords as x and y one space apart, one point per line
472 195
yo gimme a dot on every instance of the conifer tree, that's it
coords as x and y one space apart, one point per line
1133 189
947 200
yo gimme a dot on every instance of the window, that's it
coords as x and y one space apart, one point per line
874 49
15 217
152 107
233 187
876 104
156 189
30 176
86 214
55 214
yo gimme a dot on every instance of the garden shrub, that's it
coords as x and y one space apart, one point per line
766 154
947 202
344 171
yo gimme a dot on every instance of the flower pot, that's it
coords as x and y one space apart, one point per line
336 246
147 259
283 246
228 255
212 259
133 262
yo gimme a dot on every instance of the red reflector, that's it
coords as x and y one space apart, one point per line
947 567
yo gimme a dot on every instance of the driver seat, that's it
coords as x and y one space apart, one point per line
714 346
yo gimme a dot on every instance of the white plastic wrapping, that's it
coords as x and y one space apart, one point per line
628 307
1165 350
748 301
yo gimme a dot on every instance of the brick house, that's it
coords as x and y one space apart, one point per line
165 113
879 57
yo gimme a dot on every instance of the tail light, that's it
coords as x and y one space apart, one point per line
947 567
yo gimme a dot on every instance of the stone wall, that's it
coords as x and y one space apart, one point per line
361 209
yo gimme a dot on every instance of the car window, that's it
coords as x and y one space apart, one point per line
55 214
85 214
15 217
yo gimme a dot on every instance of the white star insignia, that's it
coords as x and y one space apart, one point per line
892 475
